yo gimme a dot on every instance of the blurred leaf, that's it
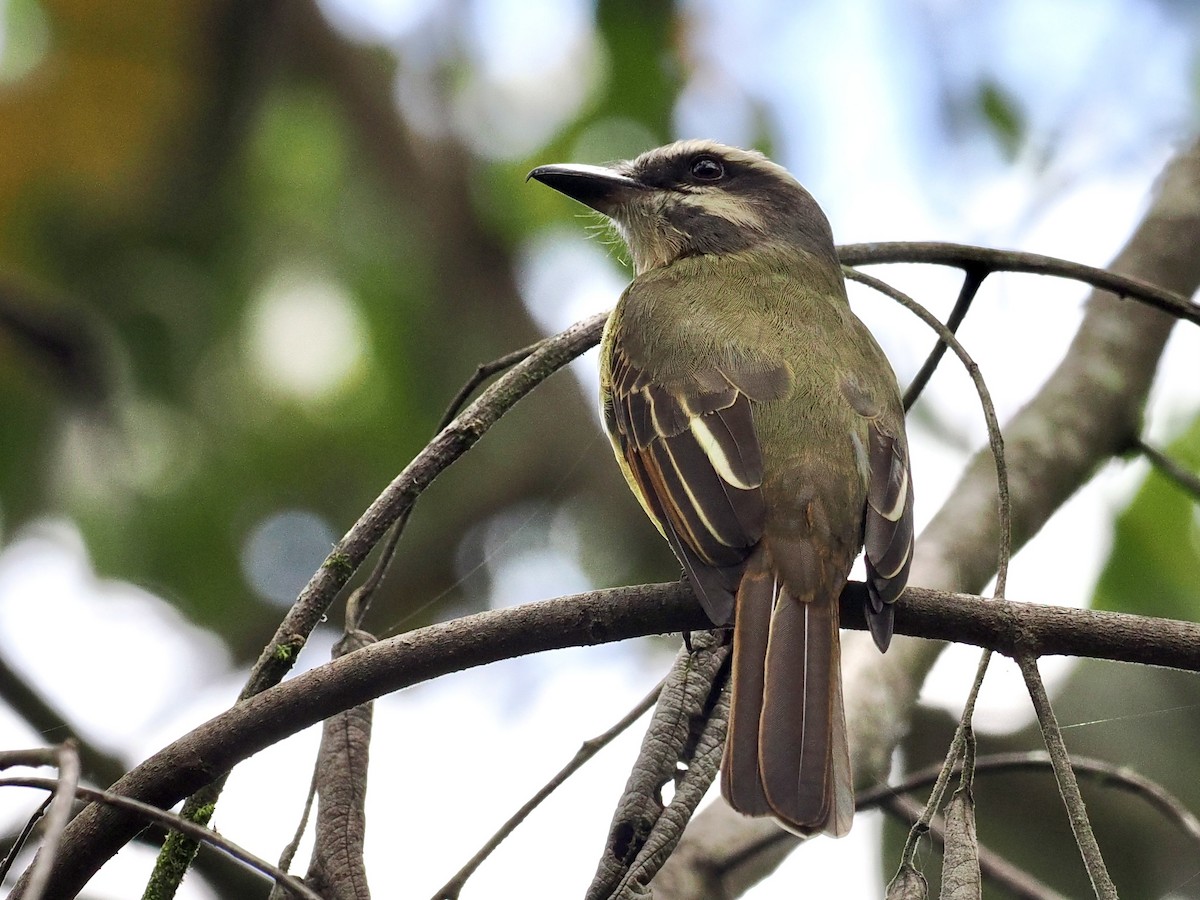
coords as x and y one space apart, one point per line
1154 566
1003 115
643 72
26 38
165 173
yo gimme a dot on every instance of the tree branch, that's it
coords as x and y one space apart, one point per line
1068 784
447 446
583 619
1104 773
173 822
1170 469
971 258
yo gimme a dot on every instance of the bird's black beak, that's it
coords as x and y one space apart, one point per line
604 190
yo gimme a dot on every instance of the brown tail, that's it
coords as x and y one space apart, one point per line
786 754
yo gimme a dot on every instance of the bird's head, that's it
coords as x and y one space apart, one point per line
693 198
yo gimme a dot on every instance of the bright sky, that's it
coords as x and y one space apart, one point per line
856 90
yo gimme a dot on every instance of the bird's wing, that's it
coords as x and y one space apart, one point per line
888 518
690 451
888 527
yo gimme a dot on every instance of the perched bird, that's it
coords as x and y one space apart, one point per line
761 427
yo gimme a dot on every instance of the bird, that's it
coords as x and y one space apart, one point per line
761 427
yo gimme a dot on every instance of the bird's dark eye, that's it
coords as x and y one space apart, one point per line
707 168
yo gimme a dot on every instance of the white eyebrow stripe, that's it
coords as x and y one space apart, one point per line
724 205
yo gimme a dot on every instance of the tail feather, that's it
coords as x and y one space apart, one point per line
796 730
787 754
842 779
741 782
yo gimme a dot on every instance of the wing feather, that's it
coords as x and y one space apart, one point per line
690 451
733 442
887 529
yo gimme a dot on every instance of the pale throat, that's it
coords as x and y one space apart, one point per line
656 229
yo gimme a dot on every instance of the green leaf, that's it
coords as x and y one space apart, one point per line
1154 567
1003 117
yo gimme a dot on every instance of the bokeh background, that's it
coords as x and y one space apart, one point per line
248 252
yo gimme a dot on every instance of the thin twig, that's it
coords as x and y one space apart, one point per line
360 600
289 851
482 372
1106 773
452 888
1171 469
1068 787
175 823
952 763
972 280
58 813
995 439
1012 878
18 845
963 256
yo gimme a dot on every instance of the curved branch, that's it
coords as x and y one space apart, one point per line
583 619
452 888
450 443
975 259
1170 469
174 822
1105 773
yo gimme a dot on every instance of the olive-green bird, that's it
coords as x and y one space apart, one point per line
761 428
